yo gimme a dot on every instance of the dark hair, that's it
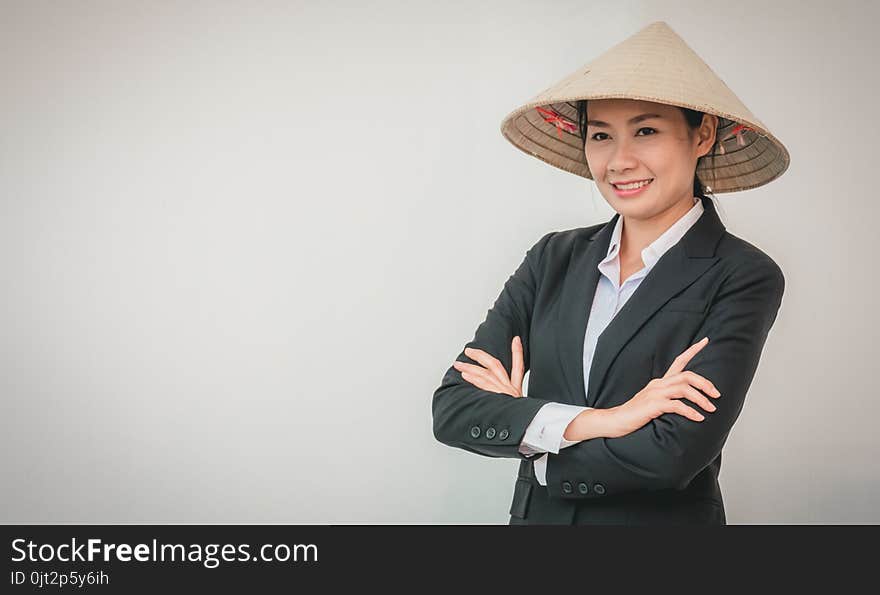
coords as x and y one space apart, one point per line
693 118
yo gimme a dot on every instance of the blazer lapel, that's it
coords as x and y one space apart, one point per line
679 266
578 290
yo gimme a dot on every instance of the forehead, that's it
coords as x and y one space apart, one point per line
620 110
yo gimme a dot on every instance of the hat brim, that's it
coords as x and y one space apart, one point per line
760 159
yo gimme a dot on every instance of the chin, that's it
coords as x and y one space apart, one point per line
637 208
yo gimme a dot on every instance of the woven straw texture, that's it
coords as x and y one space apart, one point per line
655 64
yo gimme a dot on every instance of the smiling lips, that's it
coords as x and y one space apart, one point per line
632 184
631 189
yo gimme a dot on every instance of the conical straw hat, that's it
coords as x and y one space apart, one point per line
656 65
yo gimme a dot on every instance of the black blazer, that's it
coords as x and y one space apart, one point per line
711 283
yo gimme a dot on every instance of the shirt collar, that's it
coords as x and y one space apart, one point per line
653 251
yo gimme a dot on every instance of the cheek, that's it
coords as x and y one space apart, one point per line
595 162
658 159
668 160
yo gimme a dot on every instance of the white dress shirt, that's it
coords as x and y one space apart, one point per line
545 432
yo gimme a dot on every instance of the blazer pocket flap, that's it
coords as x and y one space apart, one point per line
522 493
686 305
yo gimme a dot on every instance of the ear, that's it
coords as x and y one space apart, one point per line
706 134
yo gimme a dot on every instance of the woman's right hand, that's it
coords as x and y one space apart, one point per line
661 395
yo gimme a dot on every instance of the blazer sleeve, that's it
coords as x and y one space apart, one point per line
670 450
485 422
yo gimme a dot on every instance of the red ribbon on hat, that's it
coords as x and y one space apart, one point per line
557 120
736 131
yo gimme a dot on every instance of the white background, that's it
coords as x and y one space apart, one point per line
241 242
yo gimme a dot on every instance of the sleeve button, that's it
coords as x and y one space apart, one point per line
599 488
503 434
566 487
475 432
582 488
490 433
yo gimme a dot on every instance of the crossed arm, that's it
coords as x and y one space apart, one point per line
668 451
484 422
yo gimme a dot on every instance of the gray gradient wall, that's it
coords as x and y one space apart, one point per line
241 242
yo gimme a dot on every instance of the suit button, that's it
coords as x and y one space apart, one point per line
503 434
475 431
599 488
566 487
582 488
490 433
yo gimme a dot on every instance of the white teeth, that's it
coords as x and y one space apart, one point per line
633 186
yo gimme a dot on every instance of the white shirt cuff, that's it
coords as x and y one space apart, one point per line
540 466
545 432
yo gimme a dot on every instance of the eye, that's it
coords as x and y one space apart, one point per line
653 131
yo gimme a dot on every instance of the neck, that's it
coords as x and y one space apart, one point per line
637 234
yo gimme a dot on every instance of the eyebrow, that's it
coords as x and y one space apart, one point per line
635 120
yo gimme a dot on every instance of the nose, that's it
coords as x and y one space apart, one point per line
622 158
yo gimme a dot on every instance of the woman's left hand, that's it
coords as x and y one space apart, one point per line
493 377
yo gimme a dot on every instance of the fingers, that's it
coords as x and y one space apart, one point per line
702 383
693 379
681 361
478 376
676 406
482 382
489 362
517 369
491 375
692 394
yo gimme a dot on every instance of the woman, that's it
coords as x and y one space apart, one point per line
642 334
